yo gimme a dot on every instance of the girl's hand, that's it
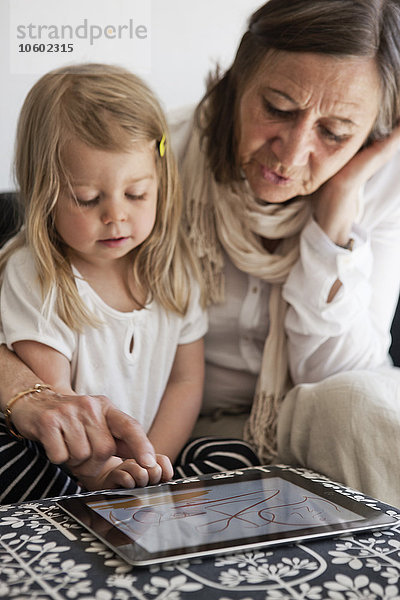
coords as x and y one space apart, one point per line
336 202
129 474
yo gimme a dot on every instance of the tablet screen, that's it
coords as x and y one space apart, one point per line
220 513
224 513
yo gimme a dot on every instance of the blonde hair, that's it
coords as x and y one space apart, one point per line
109 108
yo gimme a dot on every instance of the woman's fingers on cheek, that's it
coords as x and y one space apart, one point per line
395 135
380 152
392 144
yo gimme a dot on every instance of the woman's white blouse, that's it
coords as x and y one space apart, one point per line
351 332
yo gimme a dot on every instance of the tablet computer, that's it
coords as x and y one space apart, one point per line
219 514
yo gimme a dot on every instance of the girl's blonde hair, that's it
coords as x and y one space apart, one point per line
109 108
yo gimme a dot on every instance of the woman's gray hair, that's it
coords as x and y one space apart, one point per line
342 28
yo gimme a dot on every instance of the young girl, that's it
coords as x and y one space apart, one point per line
98 289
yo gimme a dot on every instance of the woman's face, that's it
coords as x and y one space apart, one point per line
301 119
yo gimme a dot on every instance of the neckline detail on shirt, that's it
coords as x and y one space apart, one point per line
85 286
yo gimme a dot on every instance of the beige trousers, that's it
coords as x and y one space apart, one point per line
348 428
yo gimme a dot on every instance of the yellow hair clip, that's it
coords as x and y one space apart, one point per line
161 145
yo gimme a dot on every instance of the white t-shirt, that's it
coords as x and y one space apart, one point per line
128 359
352 332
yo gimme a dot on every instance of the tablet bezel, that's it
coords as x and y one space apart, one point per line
77 507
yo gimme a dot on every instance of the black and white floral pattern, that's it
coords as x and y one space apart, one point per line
46 555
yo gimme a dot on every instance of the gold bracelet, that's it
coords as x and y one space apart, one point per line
38 387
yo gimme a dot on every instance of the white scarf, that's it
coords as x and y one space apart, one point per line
228 216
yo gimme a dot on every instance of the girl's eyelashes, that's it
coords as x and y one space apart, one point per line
91 202
95 201
135 196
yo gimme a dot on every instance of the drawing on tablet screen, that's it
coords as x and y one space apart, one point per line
216 513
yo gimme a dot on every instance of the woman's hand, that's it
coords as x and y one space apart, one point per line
336 202
82 430
85 430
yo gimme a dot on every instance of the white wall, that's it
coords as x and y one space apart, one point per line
188 37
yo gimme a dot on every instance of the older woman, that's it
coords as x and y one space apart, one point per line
304 256
293 208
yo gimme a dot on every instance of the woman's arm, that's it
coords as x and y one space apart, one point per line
61 422
341 302
181 402
336 204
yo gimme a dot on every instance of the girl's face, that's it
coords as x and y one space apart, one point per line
301 119
112 207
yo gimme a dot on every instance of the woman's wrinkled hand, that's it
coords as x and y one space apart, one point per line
82 430
336 203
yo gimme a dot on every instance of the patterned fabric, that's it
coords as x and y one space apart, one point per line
44 554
